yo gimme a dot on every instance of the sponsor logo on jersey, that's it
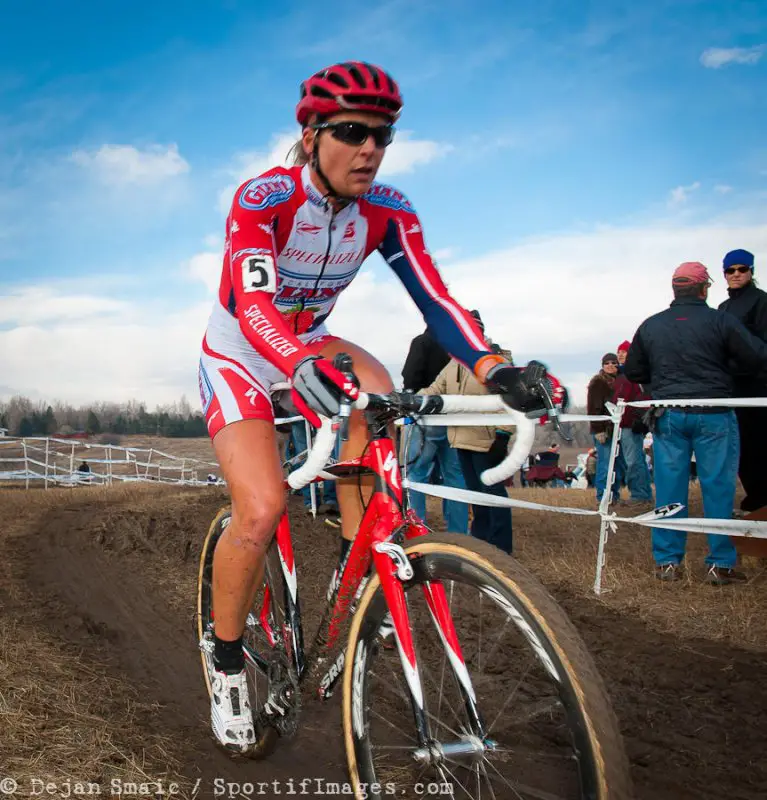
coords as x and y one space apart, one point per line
388 197
300 256
264 328
266 192
308 228
349 232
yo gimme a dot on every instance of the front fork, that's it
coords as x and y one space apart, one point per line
394 569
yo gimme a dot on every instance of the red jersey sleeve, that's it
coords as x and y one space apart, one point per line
252 226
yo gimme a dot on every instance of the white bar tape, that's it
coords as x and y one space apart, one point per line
320 452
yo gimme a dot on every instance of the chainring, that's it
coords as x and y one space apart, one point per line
283 705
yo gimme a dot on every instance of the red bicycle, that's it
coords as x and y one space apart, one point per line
460 674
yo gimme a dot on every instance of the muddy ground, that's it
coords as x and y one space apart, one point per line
100 675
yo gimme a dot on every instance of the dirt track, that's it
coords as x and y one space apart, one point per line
113 583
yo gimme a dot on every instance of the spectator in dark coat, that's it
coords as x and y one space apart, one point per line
688 352
428 450
425 360
633 431
749 305
600 391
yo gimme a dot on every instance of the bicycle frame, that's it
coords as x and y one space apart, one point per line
385 524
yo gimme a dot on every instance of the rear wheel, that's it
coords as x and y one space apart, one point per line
266 661
545 729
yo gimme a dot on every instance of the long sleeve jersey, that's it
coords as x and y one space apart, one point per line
289 254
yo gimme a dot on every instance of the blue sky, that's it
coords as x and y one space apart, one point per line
563 157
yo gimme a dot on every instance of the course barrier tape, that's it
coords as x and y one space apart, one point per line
51 461
608 519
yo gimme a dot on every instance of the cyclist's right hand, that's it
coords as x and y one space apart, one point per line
318 388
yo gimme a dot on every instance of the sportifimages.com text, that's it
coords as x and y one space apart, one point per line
218 787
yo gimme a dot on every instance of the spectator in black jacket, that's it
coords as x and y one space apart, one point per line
425 360
688 352
749 305
428 451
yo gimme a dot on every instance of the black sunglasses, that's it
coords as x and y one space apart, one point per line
733 270
356 133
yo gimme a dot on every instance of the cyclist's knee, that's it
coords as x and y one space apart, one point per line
256 518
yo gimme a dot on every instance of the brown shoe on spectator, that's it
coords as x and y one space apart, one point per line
669 572
721 576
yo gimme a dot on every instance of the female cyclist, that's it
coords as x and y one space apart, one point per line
295 238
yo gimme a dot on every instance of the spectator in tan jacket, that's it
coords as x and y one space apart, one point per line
479 448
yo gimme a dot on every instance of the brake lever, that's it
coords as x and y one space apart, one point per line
534 377
343 363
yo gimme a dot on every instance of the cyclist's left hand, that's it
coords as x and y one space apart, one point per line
509 381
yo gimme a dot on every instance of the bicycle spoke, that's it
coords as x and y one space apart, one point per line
427 673
497 644
509 698
489 784
492 766
392 725
479 636
460 783
391 688
519 751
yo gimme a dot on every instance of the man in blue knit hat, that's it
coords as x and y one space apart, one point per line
749 305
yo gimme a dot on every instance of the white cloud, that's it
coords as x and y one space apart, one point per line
206 267
565 298
722 188
117 164
33 305
681 194
405 154
716 57
444 254
143 352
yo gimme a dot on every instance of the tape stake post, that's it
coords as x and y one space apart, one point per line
604 524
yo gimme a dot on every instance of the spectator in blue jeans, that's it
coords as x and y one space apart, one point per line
600 390
477 448
633 431
690 351
429 455
427 446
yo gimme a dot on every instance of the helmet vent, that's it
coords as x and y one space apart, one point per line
334 77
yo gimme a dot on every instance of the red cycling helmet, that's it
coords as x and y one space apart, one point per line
349 86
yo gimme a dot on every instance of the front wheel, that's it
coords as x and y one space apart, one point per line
517 710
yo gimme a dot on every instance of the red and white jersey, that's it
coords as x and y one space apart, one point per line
289 255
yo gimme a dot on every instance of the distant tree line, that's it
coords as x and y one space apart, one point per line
23 417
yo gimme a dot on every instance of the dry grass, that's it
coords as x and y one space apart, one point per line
102 739
44 683
562 551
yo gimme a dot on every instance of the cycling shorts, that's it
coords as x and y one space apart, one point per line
237 388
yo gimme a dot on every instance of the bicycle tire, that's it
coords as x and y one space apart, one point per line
267 736
606 758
